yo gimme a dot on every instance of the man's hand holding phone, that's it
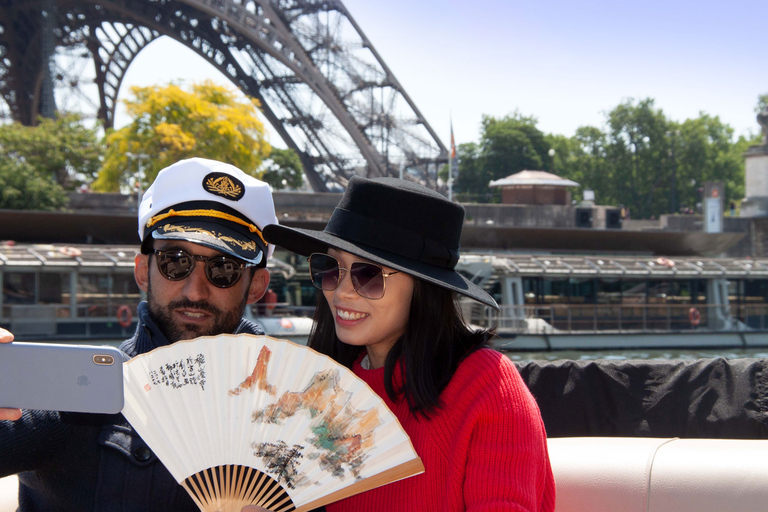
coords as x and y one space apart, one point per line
8 414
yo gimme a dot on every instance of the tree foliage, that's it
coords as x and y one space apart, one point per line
170 124
61 149
283 169
640 158
22 187
507 145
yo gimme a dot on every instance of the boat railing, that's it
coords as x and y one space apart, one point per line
61 321
570 318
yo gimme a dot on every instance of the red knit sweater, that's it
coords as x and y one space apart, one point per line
485 450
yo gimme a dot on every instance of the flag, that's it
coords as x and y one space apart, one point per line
454 165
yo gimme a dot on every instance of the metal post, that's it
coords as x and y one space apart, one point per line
620 314
669 318
73 294
594 317
138 157
48 48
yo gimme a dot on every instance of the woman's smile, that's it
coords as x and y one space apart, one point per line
375 324
349 315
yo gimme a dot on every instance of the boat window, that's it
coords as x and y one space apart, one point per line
679 291
124 291
54 291
92 294
18 288
755 291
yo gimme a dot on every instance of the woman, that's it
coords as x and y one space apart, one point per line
389 311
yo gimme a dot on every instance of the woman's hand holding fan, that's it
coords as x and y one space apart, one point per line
244 420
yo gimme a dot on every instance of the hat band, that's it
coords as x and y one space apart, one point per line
354 227
207 213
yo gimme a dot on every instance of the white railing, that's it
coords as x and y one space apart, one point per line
570 318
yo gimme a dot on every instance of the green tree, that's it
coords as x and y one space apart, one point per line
170 124
507 145
650 164
283 169
582 158
24 188
513 144
762 103
471 185
61 149
638 149
703 149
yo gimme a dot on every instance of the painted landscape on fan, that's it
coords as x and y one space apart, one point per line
240 419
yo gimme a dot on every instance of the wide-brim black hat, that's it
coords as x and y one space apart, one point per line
395 223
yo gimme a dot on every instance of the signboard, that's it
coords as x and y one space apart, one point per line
713 207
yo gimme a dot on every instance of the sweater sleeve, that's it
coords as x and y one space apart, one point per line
31 442
507 465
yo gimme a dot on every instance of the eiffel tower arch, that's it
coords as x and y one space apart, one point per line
323 86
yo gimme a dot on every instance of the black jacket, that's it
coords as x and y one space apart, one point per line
92 462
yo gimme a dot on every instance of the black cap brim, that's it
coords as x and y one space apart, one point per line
215 235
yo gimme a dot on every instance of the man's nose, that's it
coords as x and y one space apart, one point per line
196 286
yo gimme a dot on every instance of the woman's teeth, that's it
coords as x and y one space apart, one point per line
350 315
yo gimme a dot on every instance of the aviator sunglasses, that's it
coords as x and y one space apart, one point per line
221 271
368 279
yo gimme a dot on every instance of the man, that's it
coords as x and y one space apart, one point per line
202 260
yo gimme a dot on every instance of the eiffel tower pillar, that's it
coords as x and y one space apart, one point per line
47 49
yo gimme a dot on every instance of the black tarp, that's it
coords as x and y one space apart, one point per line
702 398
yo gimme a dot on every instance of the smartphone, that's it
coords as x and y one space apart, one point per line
53 377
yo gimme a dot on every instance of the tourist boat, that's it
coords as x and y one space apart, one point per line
568 302
88 293
548 302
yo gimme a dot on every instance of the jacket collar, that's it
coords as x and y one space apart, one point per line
148 335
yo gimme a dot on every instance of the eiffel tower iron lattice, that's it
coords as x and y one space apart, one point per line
322 85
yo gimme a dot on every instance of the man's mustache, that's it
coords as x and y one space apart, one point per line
198 304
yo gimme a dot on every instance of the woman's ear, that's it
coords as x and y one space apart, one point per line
259 285
141 271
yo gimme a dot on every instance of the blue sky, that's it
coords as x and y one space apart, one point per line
565 63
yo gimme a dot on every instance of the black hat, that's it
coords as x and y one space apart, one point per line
396 223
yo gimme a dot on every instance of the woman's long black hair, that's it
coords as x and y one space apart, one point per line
435 341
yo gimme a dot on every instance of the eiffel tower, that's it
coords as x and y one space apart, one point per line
322 85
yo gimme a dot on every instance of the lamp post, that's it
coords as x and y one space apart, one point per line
138 157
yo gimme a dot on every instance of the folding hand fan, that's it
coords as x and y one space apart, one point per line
243 419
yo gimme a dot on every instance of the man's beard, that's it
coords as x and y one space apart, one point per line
225 322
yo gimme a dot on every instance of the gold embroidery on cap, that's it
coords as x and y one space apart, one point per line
246 245
224 186
206 213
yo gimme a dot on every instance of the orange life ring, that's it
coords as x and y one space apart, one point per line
124 316
694 316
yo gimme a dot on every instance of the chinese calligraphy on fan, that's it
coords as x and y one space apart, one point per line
184 372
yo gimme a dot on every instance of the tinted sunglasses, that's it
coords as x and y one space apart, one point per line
368 279
221 271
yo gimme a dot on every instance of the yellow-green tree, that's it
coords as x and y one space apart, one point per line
170 124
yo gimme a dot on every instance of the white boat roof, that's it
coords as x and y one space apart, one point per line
62 256
533 178
618 266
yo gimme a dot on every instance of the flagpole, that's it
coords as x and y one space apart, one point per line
451 156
